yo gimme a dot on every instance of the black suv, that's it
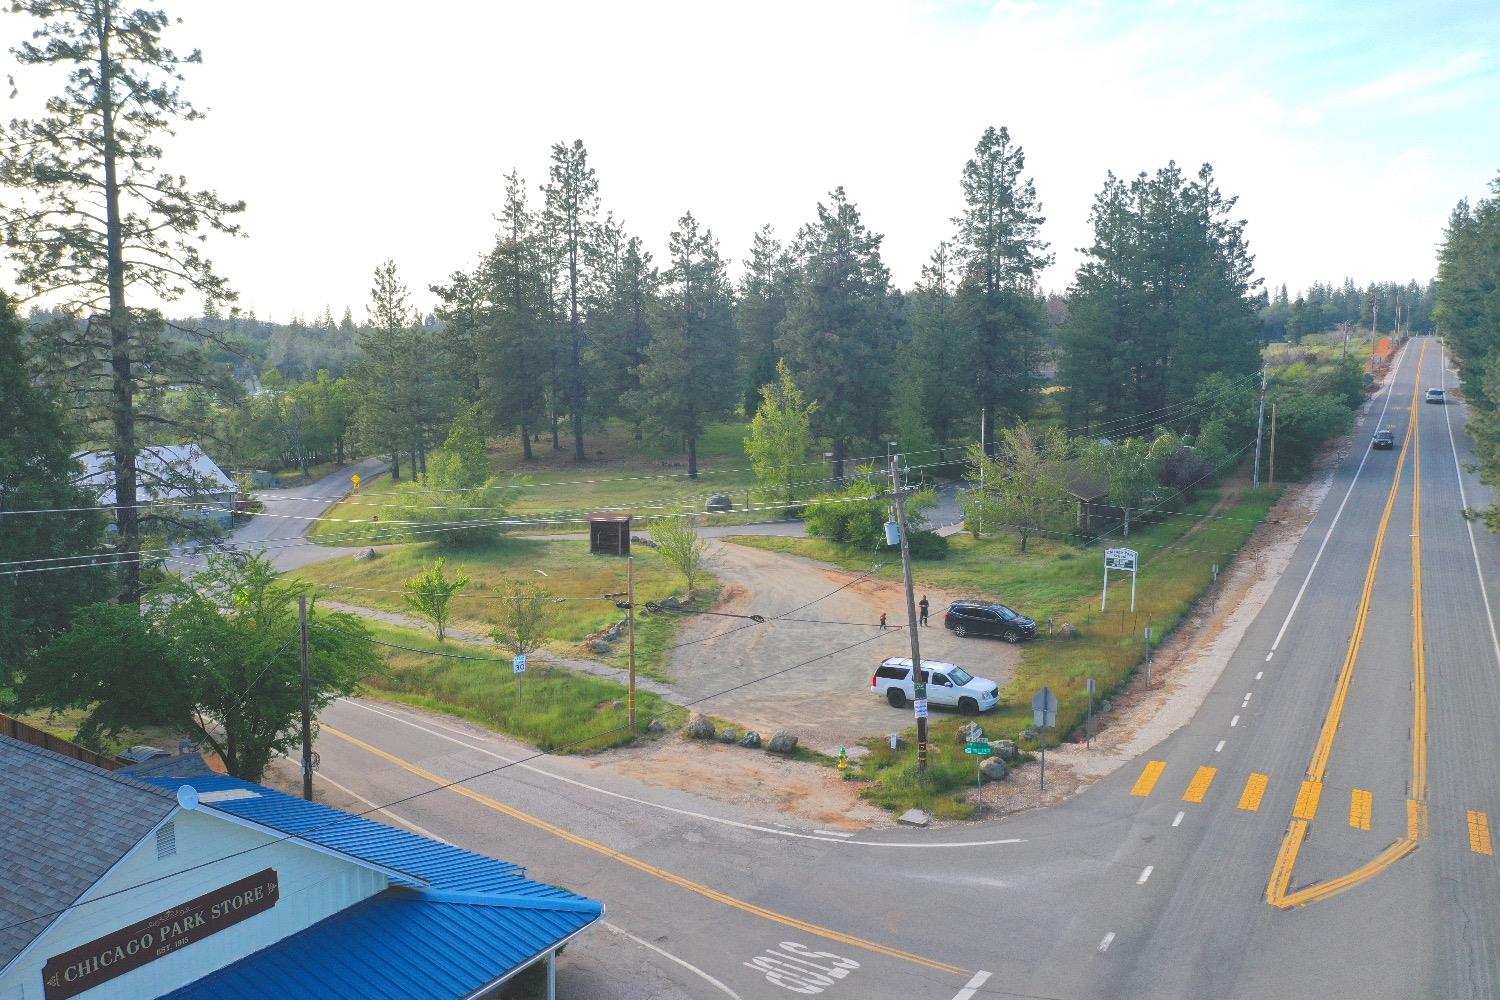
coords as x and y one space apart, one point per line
985 618
1384 438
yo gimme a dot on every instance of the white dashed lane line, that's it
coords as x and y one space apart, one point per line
1177 820
972 986
1234 722
1259 674
1108 939
1220 747
1145 874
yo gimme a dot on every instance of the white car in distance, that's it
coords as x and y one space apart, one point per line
948 685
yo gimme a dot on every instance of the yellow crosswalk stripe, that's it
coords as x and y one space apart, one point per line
1307 800
1479 833
1149 777
1360 805
1198 787
1255 790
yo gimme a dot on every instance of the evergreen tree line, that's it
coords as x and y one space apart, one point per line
1468 315
1381 307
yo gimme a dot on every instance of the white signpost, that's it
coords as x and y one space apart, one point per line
1124 560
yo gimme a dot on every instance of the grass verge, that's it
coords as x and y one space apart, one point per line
564 566
551 708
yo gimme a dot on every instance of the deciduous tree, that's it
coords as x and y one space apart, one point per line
430 595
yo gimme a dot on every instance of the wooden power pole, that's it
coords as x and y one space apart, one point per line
307 783
918 678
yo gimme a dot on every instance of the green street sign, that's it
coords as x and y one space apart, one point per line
979 749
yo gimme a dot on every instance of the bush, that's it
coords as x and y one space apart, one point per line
1186 471
926 545
848 518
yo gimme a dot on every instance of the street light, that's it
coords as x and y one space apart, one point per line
888 446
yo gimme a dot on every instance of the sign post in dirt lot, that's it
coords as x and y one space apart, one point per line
1044 717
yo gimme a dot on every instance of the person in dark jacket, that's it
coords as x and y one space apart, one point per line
922 605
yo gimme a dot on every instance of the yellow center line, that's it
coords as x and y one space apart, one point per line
1307 800
1255 790
1198 787
1479 833
1149 777
1360 806
1286 859
642 866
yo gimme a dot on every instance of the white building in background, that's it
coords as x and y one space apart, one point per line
168 474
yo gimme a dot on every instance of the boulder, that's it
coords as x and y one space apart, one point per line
599 646
914 817
655 726
1004 749
614 631
728 736
367 554
699 728
670 602
783 743
751 740
720 503
994 769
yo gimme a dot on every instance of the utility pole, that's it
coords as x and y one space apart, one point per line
981 450
918 677
630 630
307 788
1260 424
1272 469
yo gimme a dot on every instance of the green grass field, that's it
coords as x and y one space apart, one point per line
551 708
564 566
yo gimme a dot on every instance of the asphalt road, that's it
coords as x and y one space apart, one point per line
1319 829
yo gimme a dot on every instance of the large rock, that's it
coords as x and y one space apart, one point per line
1004 749
728 736
670 602
914 817
599 646
366 555
783 743
751 740
699 728
994 769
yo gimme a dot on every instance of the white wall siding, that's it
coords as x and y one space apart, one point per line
313 885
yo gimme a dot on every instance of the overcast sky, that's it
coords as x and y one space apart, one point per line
363 130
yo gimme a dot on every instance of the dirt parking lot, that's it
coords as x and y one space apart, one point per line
827 702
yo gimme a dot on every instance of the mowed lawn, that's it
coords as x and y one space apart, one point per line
563 566
550 708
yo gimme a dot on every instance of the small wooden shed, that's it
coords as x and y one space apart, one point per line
1087 490
609 534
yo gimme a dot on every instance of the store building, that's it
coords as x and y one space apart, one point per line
117 886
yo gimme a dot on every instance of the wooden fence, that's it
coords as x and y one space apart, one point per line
16 729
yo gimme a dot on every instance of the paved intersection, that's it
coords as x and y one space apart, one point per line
1321 827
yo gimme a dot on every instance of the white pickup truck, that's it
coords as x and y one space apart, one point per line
948 685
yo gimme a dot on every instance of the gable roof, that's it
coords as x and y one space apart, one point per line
183 765
163 471
421 862
403 943
64 824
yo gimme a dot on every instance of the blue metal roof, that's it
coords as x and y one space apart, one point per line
403 944
424 862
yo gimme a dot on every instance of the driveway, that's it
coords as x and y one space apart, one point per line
827 702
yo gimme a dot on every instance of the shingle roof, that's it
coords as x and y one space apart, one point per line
63 823
402 944
165 471
424 862
183 765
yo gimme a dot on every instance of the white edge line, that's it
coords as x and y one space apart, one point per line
1108 940
1177 820
1296 601
614 929
1259 674
673 809
972 986
1463 498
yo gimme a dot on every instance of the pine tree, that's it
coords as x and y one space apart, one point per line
569 217
935 354
764 294
1000 252
683 386
516 346
621 304
96 222
840 329
37 472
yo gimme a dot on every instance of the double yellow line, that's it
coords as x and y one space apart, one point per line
642 866
1277 893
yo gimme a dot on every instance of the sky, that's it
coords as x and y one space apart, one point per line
358 130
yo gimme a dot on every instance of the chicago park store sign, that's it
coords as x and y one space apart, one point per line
101 960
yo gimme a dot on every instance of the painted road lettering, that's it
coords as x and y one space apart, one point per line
798 969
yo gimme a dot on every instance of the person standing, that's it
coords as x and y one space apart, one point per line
882 621
922 606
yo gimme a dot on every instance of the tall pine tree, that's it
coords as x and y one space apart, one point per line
570 218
